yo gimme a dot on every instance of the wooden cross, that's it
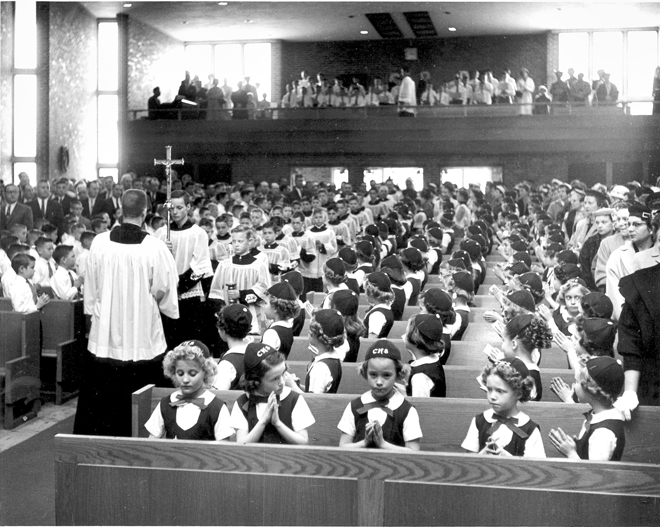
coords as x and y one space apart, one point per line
168 162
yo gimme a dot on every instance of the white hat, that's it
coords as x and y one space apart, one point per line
619 192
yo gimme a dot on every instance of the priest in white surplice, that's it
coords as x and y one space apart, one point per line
131 278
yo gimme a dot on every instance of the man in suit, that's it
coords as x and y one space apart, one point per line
12 212
297 192
114 201
93 204
60 194
44 207
76 211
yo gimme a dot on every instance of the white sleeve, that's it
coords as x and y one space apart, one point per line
376 323
62 287
156 425
164 281
601 445
471 441
301 416
222 429
421 385
320 378
411 428
237 420
225 376
408 290
271 338
347 422
534 445
201 259
21 298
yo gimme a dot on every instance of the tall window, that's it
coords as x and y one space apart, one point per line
233 62
629 56
465 176
107 99
24 157
398 175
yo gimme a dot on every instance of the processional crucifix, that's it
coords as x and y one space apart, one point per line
168 162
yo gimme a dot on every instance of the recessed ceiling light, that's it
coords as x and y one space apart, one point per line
364 32
128 5
451 28
222 3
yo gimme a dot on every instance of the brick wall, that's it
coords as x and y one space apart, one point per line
154 59
441 57
72 89
6 93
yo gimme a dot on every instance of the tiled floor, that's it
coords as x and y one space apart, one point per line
48 416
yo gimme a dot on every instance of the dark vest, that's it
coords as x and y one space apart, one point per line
203 429
299 322
392 429
446 338
517 445
353 285
436 266
236 360
433 371
389 321
285 410
286 339
399 303
582 444
354 348
536 375
417 287
464 324
335 370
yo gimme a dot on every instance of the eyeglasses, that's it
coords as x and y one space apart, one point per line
636 224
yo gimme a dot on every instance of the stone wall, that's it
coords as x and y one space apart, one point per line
72 87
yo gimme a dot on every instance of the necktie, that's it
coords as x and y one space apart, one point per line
511 423
50 270
33 289
71 278
181 400
376 404
43 207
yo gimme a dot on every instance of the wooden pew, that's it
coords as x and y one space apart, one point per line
463 353
62 349
461 380
19 367
444 422
129 481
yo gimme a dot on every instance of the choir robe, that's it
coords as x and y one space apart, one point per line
251 277
325 236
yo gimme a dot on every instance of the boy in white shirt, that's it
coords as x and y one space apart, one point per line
65 282
45 265
23 293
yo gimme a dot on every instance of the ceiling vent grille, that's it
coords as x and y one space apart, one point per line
385 25
421 24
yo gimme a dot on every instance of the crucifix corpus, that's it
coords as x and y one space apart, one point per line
168 162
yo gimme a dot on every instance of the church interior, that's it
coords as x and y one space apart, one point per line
75 80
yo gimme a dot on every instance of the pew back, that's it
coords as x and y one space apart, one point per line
444 422
121 481
463 353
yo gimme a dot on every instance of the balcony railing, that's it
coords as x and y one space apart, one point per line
390 111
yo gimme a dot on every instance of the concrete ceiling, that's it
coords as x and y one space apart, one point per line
329 21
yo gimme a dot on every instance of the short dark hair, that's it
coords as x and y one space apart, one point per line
61 251
21 260
133 203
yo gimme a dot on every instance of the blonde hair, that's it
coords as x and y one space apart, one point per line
189 352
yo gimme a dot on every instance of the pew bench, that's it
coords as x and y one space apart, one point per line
463 353
62 347
444 422
19 367
461 380
131 481
480 301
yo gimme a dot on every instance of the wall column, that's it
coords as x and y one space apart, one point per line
609 173
122 86
355 175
